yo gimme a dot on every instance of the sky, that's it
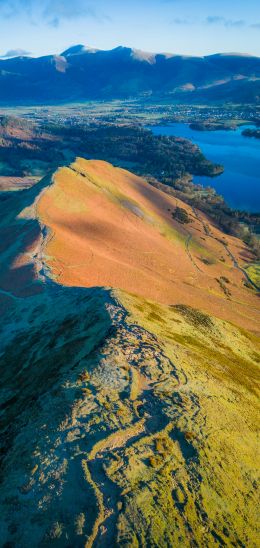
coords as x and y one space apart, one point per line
189 27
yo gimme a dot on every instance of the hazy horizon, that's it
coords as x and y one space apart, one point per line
186 27
19 52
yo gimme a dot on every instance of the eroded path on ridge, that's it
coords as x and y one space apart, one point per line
149 372
118 429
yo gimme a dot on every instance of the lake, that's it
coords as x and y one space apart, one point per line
240 156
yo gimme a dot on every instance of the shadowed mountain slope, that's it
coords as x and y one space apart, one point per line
83 73
124 421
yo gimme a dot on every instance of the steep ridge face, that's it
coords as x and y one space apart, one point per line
111 228
125 420
84 73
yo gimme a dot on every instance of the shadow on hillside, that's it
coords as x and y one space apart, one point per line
47 328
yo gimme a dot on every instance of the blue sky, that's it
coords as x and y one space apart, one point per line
192 27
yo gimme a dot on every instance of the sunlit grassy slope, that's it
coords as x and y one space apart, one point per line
111 228
126 420
254 272
133 424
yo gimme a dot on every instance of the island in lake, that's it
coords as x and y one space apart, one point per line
213 126
251 133
129 310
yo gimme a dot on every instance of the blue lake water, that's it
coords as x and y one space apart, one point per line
240 156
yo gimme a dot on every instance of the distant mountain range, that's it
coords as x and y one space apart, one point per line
82 73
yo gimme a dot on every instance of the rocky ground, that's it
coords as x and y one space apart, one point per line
125 422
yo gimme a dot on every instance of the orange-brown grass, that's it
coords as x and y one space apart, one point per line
111 228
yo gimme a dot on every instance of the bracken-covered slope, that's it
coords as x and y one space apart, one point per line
109 227
129 416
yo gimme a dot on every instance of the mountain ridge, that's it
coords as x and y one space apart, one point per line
83 209
84 73
121 417
76 49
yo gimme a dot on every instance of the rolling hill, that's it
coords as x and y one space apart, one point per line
129 367
81 73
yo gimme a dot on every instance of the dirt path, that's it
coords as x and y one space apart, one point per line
236 265
146 360
229 252
187 246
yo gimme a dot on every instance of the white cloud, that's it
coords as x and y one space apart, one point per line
15 53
